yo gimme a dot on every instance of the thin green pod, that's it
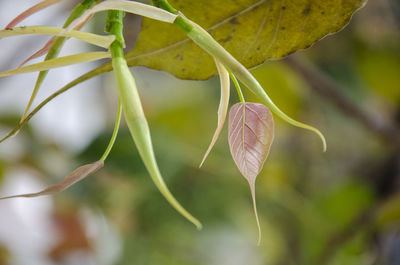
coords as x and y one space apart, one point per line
140 132
134 115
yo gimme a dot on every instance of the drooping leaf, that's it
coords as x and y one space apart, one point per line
58 62
223 105
77 175
30 11
251 30
251 132
98 40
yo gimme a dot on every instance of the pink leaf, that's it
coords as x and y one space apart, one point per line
30 11
251 132
77 175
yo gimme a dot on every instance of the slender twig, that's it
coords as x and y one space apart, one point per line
330 90
115 133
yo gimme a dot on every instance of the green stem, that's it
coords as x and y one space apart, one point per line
179 21
237 85
134 114
115 133
163 4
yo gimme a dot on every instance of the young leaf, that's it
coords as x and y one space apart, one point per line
223 105
30 11
77 175
251 132
58 62
95 39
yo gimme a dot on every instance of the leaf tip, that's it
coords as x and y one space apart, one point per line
198 225
204 159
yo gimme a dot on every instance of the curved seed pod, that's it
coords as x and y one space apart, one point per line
140 131
134 115
223 105
251 132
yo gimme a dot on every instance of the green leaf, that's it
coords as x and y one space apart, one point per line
251 30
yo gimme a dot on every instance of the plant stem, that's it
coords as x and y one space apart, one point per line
163 4
179 21
115 133
237 85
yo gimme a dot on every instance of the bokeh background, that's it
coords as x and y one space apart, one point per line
339 207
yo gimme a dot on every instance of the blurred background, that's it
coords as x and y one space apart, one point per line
339 207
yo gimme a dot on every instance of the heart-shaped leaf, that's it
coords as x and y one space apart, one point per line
251 132
77 175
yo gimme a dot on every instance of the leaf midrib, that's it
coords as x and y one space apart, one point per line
217 25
